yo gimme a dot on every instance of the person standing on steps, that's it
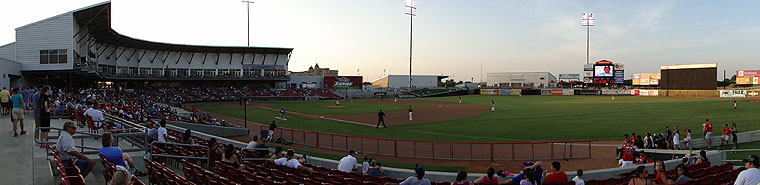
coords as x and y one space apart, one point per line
410 113
381 119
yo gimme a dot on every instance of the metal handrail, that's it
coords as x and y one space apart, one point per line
208 152
723 154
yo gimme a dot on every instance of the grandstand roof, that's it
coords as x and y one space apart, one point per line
98 19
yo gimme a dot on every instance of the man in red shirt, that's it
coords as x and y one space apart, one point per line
628 155
557 176
708 133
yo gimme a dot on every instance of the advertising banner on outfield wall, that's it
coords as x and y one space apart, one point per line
635 92
546 92
568 92
489 91
504 92
515 92
733 93
556 92
753 93
616 92
747 73
588 92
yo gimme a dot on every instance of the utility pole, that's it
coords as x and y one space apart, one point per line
587 20
248 7
411 10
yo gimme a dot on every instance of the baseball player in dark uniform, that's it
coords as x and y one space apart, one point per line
381 119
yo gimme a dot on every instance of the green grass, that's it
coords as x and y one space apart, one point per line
351 107
540 118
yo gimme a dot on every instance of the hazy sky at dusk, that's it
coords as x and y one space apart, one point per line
451 37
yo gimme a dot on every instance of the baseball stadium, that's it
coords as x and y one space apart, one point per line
112 109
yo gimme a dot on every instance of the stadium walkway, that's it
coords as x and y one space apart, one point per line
18 165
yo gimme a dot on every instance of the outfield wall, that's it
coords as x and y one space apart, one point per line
632 92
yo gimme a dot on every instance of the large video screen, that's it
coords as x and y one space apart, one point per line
603 71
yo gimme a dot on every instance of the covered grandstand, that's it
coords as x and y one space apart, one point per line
80 49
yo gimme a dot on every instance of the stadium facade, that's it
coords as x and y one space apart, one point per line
521 79
80 49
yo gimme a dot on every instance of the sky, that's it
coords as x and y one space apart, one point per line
454 38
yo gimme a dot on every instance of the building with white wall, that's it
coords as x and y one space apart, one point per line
80 46
402 81
521 79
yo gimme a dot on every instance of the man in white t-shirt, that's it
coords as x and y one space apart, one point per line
348 163
750 176
253 143
162 135
97 116
290 162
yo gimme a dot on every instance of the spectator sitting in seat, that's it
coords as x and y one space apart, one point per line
640 176
263 149
557 176
702 157
116 156
66 147
348 163
578 179
751 175
374 168
230 157
528 180
683 174
291 162
461 178
121 177
659 169
365 164
163 136
253 143
536 168
215 149
488 179
187 138
417 179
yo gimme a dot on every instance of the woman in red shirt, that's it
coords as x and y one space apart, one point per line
489 178
659 169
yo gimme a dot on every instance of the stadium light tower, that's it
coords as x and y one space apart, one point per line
410 9
248 9
587 20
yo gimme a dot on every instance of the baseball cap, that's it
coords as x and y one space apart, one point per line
752 159
352 152
291 152
419 170
526 164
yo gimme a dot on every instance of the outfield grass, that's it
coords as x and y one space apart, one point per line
351 107
741 155
543 118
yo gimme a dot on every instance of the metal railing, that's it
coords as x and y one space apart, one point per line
169 153
90 142
444 150
725 153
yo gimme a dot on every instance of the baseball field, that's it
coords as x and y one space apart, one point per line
516 119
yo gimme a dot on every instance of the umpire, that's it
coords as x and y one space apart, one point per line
381 119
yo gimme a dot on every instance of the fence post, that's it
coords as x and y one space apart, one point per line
317 139
432 146
491 151
513 151
589 149
533 152
361 144
414 144
346 142
451 149
378 146
395 151
552 146
470 151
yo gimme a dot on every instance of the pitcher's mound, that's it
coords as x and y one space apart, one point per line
334 106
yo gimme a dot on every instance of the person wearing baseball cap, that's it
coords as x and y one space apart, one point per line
417 179
348 163
750 176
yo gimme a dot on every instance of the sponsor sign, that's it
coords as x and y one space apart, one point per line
654 81
588 92
516 92
615 92
635 92
569 76
644 82
742 81
568 92
342 81
753 93
489 91
619 74
588 73
636 76
619 66
504 92
546 92
755 80
266 67
588 67
619 80
556 91
588 80
747 73
733 93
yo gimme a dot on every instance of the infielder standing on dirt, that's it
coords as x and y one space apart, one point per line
381 118
460 99
282 114
337 101
493 105
410 113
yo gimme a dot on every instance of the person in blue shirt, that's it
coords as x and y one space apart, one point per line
35 108
116 156
536 169
17 113
282 114
26 93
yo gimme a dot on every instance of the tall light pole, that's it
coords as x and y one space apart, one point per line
410 9
248 9
587 20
